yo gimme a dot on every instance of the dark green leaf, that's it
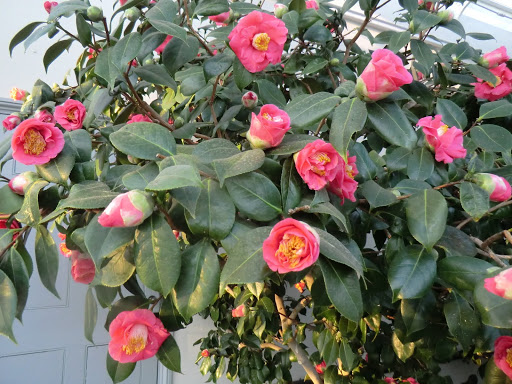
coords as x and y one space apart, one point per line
88 195
155 74
238 164
270 94
348 118
423 20
162 17
318 33
125 304
16 270
462 320
290 186
494 310
349 359
452 114
500 108
176 176
141 177
391 123
119 268
492 138
463 272
22 34
306 110
217 64
242 76
333 249
66 9
83 30
37 34
456 243
455 26
211 7
376 195
117 371
57 170
399 40
29 213
9 201
169 355
474 200
420 165
91 314
214 149
7 306
482 73
79 142
47 259
55 51
179 52
292 144
416 312
422 53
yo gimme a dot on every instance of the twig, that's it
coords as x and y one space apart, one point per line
320 126
487 251
302 304
271 346
155 303
73 36
489 211
212 99
351 43
193 31
106 31
299 209
491 239
167 217
334 85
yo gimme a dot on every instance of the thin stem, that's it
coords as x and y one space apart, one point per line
212 99
155 303
320 126
193 31
351 43
489 211
491 239
334 85
168 217
271 346
487 251
106 31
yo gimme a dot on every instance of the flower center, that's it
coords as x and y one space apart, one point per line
349 171
498 82
290 250
268 117
442 130
320 158
260 41
34 142
509 357
136 340
71 114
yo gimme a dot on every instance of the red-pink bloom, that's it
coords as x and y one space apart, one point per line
11 122
258 40
220 19
301 286
384 74
320 368
268 127
318 163
498 187
502 88
501 284
14 225
205 353
494 58
176 234
250 99
389 380
35 142
19 183
136 335
139 119
70 115
161 47
44 116
428 5
238 311
122 2
48 5
446 142
17 94
82 268
312 4
291 246
503 354
410 380
344 185
127 210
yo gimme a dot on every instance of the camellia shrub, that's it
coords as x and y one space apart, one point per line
344 209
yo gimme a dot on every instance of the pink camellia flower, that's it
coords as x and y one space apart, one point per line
14 225
139 119
19 183
136 335
64 250
127 210
318 163
35 142
445 142
162 46
312 4
410 380
344 185
384 74
176 234
301 286
70 115
502 88
501 284
498 187
250 99
389 380
205 353
291 246
11 122
494 58
83 269
268 127
238 311
220 19
503 354
320 368
258 40
48 5
44 116
17 94
122 2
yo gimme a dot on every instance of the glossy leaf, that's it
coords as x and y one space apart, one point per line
91 314
452 114
500 108
169 355
290 186
474 200
333 249
119 267
391 123
16 270
462 272
47 259
9 201
141 177
162 15
492 138
88 195
177 176
494 310
117 371
308 109
348 118
57 170
243 162
462 320
376 195
420 165
7 306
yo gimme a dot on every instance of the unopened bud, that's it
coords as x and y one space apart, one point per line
132 14
205 353
446 16
18 184
178 123
94 13
280 10
334 62
250 99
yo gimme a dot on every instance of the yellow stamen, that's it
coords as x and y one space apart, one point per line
509 357
442 130
34 142
71 114
266 116
136 340
349 171
290 250
321 157
261 41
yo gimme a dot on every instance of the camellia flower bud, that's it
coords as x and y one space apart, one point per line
250 99
11 122
44 116
498 188
280 10
19 183
205 353
48 5
83 269
127 210
446 16
494 58
94 13
238 311
132 14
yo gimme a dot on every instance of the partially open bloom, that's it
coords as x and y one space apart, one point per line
205 353
14 225
445 142
238 311
503 87
48 5
446 16
501 284
384 74
268 127
70 115
494 58
19 183
82 268
44 116
291 246
249 99
220 19
127 210
258 40
503 354
136 335
139 119
64 250
161 47
11 122
318 163
320 368
498 187
312 4
280 10
17 94
344 185
35 142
